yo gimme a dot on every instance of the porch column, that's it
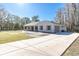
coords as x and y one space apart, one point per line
34 28
27 28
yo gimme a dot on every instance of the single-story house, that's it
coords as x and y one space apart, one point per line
45 26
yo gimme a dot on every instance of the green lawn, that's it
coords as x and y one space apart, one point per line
10 36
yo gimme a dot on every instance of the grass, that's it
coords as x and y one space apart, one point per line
10 36
73 50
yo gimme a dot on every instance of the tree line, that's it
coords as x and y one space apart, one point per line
69 16
9 21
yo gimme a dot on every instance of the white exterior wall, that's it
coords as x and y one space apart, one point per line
45 24
62 28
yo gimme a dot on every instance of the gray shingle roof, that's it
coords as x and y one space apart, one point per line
35 23
32 24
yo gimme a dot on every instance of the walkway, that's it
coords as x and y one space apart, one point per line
51 45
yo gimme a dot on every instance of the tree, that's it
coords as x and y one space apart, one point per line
69 16
9 21
26 20
35 19
3 15
60 16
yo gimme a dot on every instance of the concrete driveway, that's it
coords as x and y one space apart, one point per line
36 34
50 45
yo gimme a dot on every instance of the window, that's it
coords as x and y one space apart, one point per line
26 27
48 27
36 28
62 26
41 27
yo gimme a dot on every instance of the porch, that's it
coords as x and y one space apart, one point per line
31 28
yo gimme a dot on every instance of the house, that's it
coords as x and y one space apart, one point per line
44 26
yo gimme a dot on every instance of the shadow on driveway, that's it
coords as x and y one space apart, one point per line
64 33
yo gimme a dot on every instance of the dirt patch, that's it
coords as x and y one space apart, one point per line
73 50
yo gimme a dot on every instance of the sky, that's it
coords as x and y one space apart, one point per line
45 11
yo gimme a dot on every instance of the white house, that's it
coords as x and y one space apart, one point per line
44 26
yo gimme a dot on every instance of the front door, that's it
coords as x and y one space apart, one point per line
36 28
32 28
57 28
